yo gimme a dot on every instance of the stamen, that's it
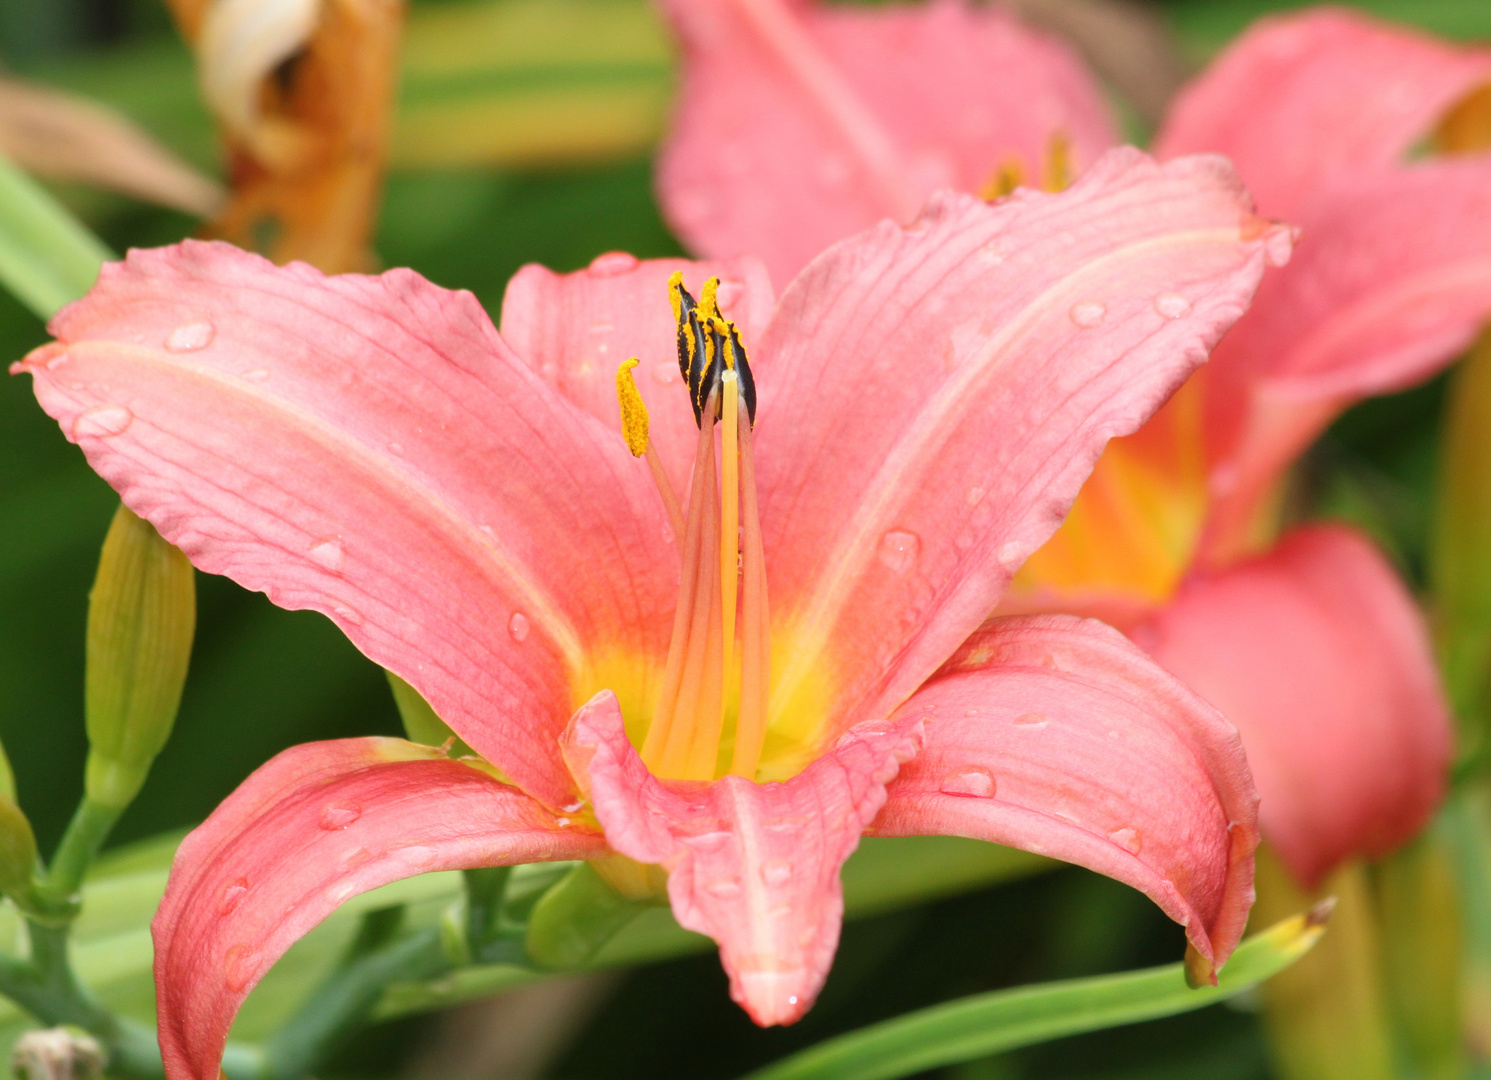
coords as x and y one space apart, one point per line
1058 163
634 426
1006 178
755 624
683 741
729 510
693 580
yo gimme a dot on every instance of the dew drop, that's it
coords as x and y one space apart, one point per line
665 373
341 892
970 712
974 495
238 964
340 814
232 896
992 253
356 857
898 550
102 421
709 841
1088 314
518 626
1008 554
348 615
776 872
1031 720
57 361
396 448
723 889
190 337
417 855
974 782
328 553
1172 305
1127 838
258 374
612 263
791 999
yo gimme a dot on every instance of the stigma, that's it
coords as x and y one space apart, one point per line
710 715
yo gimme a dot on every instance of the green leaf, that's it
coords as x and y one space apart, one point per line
47 257
984 1024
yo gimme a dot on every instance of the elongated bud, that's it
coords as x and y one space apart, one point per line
141 617
17 853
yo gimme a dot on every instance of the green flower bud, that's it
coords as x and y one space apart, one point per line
141 617
17 853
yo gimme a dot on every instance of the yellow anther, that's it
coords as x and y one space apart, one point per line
1009 175
709 308
675 297
633 411
727 351
1058 163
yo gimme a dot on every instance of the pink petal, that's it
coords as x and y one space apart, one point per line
754 866
314 827
938 394
1319 656
577 328
1300 99
799 124
1056 735
1391 281
370 448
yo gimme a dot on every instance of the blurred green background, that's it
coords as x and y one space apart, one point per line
263 678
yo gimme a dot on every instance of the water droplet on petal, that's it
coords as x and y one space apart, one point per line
329 553
232 896
1010 553
776 872
723 889
238 967
258 374
57 361
102 421
418 855
356 857
1172 305
518 627
612 263
970 712
1088 314
1127 838
709 841
396 448
898 550
341 892
190 337
992 253
348 615
340 814
1031 720
666 373
973 782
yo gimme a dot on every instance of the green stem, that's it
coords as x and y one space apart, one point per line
46 987
345 1000
85 835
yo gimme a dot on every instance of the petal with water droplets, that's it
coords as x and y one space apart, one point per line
402 471
1084 749
754 866
317 825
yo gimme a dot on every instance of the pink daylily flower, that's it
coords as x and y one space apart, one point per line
1346 727
923 405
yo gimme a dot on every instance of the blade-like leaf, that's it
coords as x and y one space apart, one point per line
47 257
984 1024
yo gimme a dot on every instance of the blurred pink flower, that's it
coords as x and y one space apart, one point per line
800 122
460 503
